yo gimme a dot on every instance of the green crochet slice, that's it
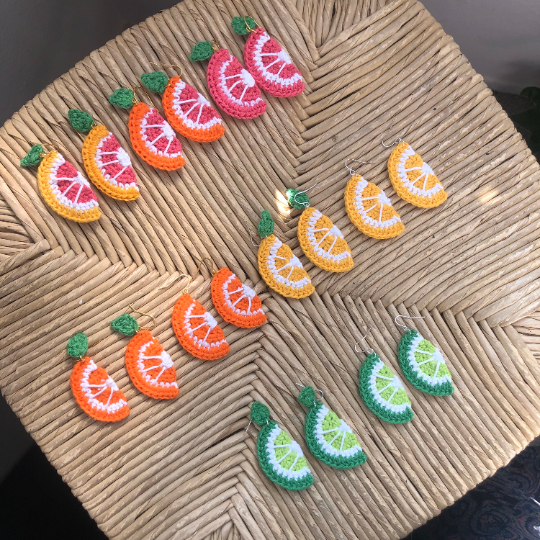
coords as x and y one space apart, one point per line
156 81
77 345
33 157
329 438
423 365
240 25
266 225
80 120
202 51
383 393
123 97
280 458
126 325
297 199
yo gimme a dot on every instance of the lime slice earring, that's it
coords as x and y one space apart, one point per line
329 438
422 363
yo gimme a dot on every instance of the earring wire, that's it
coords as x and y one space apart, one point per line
405 317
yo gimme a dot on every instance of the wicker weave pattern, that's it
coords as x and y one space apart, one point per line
185 469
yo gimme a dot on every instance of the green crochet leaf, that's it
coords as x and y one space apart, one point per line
297 199
123 97
202 51
240 25
266 225
126 325
77 345
156 81
33 157
307 397
80 120
259 413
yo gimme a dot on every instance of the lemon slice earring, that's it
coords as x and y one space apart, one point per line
321 241
280 458
413 179
368 207
382 391
422 363
329 438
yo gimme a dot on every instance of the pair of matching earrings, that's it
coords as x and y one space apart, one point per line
329 439
369 208
237 90
195 327
423 366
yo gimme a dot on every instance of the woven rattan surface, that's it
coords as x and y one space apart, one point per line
186 469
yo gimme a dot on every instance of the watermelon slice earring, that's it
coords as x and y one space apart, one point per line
151 136
412 178
368 207
107 164
321 241
328 437
280 458
95 392
150 368
187 111
232 87
278 265
267 61
62 186
195 328
422 363
237 303
382 391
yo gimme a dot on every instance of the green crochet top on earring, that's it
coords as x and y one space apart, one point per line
329 438
280 458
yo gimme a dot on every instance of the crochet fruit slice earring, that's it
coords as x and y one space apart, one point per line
107 164
412 178
150 368
196 330
369 209
237 303
278 265
62 186
266 60
382 391
95 392
230 85
151 136
280 458
187 111
321 241
422 363
328 437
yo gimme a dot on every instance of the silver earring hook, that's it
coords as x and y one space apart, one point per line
304 204
322 393
249 232
245 432
353 171
405 317
393 143
369 350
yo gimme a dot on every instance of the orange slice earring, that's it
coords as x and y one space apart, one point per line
107 164
187 111
149 366
62 186
151 136
95 392
368 207
195 328
236 302
321 241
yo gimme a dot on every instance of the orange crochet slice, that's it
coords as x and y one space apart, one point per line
413 179
371 210
154 139
108 165
197 331
190 113
66 190
237 303
96 393
150 367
